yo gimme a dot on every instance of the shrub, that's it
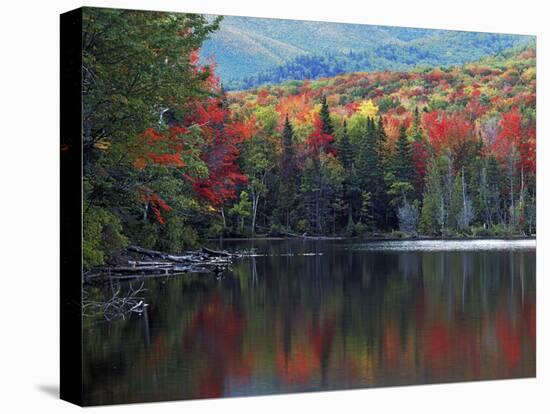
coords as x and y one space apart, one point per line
350 229
302 226
361 229
398 234
102 237
275 230
175 236
215 230
479 231
500 230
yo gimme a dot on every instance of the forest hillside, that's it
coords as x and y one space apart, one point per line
172 159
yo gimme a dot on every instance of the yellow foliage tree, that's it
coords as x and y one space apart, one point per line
368 109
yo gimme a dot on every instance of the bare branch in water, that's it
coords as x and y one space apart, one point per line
118 306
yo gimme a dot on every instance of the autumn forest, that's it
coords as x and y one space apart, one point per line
171 158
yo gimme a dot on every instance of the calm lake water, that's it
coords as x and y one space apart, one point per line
323 315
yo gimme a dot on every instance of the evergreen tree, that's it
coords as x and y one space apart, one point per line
345 155
369 170
421 153
324 114
366 210
416 128
380 200
371 165
288 149
287 182
345 150
321 182
308 196
400 175
403 160
432 220
455 206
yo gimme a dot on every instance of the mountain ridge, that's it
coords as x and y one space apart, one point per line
250 52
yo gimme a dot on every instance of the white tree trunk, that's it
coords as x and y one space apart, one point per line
255 202
223 217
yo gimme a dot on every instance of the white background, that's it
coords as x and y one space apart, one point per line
29 206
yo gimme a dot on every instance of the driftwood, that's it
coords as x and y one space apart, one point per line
157 254
303 236
164 264
222 253
308 237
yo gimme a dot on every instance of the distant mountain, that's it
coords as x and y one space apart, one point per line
253 51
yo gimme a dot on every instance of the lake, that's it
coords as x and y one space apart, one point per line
322 315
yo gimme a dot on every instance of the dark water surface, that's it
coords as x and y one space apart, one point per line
322 315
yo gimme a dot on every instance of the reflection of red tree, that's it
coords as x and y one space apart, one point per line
438 343
456 343
307 358
159 351
391 344
509 339
321 338
466 347
516 333
296 367
216 332
452 344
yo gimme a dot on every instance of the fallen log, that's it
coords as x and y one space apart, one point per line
139 269
305 236
204 261
155 253
138 264
222 253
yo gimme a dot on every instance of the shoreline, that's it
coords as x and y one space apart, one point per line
140 263
371 239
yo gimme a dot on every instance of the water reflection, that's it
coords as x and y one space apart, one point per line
346 317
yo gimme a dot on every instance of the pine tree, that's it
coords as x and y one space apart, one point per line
288 148
399 177
380 200
345 155
421 152
309 189
287 183
366 210
370 171
345 150
324 114
403 160
371 167
432 220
